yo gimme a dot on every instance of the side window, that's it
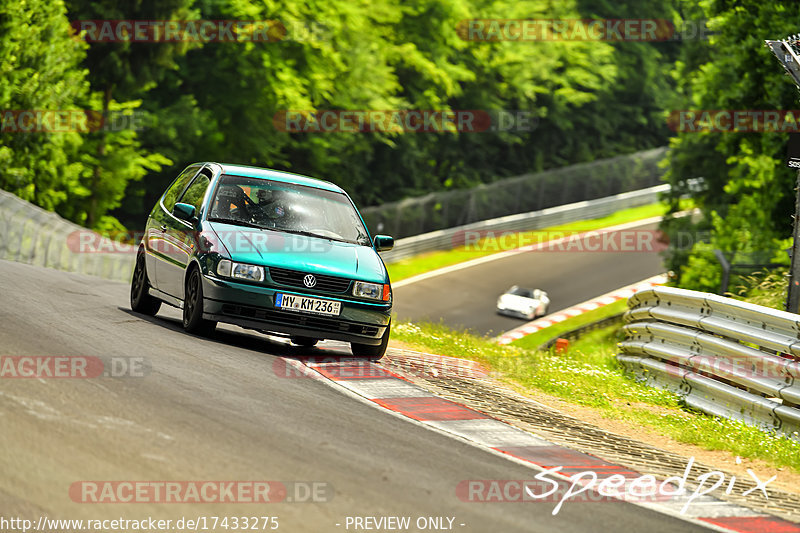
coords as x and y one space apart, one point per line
171 196
196 191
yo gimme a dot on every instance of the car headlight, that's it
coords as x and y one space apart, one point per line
230 269
373 291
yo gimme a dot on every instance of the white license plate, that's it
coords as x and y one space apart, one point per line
303 304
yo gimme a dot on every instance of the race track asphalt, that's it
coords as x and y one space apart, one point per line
217 409
466 298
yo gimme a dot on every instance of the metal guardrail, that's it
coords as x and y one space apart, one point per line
35 236
724 357
448 239
577 333
38 237
519 194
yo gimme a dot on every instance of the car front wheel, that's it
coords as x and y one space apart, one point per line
193 321
141 301
372 352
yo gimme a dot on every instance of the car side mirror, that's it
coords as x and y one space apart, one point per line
383 243
184 211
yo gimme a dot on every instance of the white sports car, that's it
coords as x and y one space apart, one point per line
523 303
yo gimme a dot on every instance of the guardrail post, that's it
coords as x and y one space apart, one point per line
793 296
726 271
787 53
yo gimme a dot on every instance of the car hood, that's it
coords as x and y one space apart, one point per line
300 252
518 302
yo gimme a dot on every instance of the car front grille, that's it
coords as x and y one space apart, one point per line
287 318
294 278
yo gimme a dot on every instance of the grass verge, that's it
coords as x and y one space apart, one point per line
534 340
589 375
766 288
433 260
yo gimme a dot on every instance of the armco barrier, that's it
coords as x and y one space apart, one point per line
577 333
725 357
38 237
451 238
519 194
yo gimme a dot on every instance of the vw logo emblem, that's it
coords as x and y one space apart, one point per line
309 281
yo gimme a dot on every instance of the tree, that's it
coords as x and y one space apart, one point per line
121 72
748 194
218 101
40 69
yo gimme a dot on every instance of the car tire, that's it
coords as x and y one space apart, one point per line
368 351
305 342
193 321
141 301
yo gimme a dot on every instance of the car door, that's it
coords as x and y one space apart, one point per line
180 237
155 232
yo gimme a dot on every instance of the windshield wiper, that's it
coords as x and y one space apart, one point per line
236 222
311 234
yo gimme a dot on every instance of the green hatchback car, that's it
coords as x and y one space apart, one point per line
266 250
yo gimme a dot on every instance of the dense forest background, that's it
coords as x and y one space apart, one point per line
216 101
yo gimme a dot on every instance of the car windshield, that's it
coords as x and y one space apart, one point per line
261 203
519 291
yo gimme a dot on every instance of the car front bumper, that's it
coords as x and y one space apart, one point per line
515 313
253 306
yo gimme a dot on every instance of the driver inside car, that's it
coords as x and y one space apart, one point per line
272 203
231 203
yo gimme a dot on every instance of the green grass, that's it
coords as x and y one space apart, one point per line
763 288
589 375
433 260
534 340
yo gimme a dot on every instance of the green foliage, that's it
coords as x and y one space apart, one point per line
217 100
111 162
40 70
748 196
127 70
764 288
80 173
592 99
703 271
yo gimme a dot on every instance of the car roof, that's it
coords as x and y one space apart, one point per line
277 175
526 289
